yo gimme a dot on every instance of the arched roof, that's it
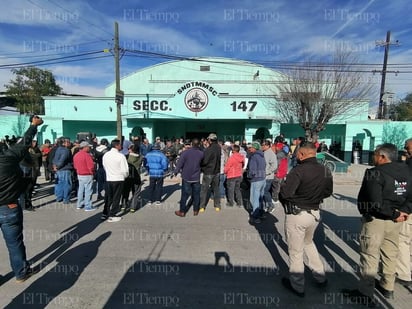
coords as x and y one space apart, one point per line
166 77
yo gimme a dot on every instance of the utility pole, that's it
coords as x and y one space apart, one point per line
119 93
382 110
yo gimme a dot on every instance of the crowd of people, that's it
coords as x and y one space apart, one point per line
259 176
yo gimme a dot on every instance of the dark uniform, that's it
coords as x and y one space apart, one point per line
301 194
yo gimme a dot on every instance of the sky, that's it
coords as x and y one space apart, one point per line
69 37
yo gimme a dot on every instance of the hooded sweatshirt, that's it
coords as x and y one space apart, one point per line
256 167
386 189
234 165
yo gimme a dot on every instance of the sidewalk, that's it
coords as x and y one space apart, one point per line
154 259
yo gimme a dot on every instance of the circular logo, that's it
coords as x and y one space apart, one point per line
196 100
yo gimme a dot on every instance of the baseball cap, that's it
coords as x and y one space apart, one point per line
212 136
254 144
156 146
84 144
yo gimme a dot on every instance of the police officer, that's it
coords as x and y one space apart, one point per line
301 194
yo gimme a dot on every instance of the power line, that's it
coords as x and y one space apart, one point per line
45 62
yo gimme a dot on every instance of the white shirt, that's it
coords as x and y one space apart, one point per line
115 165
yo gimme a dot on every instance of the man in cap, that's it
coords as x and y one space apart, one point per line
85 168
256 173
211 170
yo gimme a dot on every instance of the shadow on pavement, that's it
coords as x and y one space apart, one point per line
46 289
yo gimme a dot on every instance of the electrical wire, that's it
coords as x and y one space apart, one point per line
48 61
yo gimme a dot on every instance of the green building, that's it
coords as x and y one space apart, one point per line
191 98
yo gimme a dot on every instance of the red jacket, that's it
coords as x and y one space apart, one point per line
234 165
282 168
83 163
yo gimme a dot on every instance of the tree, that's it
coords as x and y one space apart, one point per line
395 134
403 110
29 86
21 125
312 93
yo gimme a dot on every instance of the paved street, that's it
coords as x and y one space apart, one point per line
154 259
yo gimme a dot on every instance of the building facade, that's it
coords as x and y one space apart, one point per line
191 98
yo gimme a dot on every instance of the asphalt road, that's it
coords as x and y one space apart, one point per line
154 259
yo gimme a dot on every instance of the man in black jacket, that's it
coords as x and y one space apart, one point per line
11 214
384 201
211 170
305 187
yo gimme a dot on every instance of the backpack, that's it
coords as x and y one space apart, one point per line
134 175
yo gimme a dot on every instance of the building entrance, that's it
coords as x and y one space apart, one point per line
199 135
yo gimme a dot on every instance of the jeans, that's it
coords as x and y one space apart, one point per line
11 223
276 183
190 189
213 182
136 202
267 197
63 187
155 189
101 180
84 194
233 191
222 189
257 191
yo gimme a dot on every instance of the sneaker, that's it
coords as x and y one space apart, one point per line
30 272
132 210
79 207
201 210
217 209
103 217
149 203
270 209
286 283
254 221
158 203
114 219
123 208
90 209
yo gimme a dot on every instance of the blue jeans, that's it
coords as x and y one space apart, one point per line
11 223
257 191
63 187
267 198
190 189
222 189
85 191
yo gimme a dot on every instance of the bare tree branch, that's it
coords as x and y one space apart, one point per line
313 93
